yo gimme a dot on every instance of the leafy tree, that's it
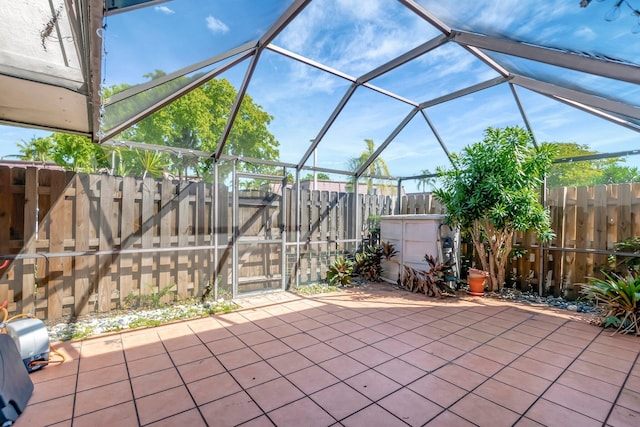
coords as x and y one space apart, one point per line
492 191
196 121
319 175
377 167
72 152
37 149
587 172
614 174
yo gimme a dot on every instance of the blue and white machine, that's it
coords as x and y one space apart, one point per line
32 341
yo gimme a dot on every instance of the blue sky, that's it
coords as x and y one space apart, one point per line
354 37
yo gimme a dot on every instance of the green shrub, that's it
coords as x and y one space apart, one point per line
619 296
368 262
160 299
340 272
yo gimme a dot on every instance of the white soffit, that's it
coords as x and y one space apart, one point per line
41 77
35 104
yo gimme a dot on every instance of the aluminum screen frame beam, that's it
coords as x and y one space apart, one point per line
332 118
193 85
339 74
466 91
404 58
235 109
132 91
599 67
386 142
595 102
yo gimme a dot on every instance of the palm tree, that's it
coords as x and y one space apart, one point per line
377 167
426 181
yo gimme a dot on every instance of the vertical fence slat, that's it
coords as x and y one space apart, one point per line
127 236
147 224
623 223
164 270
82 225
30 218
105 243
582 224
58 223
600 225
183 235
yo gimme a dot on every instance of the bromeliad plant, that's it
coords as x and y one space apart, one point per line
620 299
492 191
368 262
340 272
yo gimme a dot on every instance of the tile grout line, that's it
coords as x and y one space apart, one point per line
126 364
265 413
624 383
75 390
489 377
564 370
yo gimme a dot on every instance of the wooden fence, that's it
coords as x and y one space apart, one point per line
588 222
82 243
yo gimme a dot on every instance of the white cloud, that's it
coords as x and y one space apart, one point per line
585 33
164 9
216 26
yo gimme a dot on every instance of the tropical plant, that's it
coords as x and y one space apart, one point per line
368 261
620 297
377 167
388 250
152 162
492 192
427 180
340 272
630 245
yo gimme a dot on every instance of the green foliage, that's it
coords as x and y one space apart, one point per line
315 288
367 262
196 121
373 226
319 175
223 306
426 182
492 191
78 332
619 296
588 172
152 162
158 299
377 167
72 152
629 245
340 272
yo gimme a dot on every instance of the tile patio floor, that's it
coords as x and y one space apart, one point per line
371 357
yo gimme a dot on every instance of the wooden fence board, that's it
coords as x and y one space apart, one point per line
106 234
183 236
148 227
82 288
166 209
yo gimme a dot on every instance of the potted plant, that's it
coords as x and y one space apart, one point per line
476 280
492 191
